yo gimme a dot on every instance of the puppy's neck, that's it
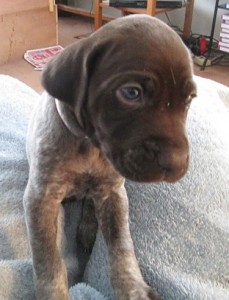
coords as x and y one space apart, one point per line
69 120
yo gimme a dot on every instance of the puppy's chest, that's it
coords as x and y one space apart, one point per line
92 178
85 185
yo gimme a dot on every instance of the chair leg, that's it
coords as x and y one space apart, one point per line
188 19
151 7
98 14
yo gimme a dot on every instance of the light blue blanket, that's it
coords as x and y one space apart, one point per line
180 231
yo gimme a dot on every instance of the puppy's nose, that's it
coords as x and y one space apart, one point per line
174 163
171 157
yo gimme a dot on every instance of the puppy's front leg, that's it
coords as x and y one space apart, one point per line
42 204
125 274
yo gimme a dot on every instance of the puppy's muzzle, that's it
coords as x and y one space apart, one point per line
155 160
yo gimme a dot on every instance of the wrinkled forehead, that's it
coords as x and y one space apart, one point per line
140 44
126 54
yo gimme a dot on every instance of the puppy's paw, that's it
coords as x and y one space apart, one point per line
139 292
52 292
146 293
152 295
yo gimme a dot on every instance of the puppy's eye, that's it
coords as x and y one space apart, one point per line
130 93
189 98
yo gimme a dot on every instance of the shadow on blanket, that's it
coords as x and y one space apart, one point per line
180 231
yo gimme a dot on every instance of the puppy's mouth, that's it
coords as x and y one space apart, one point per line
142 164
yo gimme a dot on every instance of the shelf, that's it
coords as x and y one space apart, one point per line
150 10
86 13
217 6
223 6
138 10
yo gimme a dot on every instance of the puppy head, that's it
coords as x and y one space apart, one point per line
130 86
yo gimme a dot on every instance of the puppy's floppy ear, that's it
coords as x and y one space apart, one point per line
65 76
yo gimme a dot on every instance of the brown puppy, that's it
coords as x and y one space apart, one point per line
116 107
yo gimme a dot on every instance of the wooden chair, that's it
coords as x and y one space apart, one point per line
150 10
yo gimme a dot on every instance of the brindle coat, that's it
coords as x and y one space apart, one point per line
115 108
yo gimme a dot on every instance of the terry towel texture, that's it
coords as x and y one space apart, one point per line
180 231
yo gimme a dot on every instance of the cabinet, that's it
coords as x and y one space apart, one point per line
26 25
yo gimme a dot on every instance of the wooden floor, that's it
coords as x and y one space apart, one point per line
72 29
